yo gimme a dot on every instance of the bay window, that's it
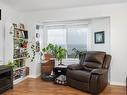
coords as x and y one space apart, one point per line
69 36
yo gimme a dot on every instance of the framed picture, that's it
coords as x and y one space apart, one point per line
99 37
37 35
37 46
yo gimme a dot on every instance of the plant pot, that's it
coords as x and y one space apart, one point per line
48 56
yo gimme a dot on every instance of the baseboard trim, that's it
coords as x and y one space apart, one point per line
32 76
19 80
117 83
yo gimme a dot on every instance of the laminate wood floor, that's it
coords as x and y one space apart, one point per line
40 87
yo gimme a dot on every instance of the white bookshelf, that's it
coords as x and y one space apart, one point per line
20 41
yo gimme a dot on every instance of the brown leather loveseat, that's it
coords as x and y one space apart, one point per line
91 74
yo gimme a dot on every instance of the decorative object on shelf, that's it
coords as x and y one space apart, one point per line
14 25
99 37
17 34
21 26
24 44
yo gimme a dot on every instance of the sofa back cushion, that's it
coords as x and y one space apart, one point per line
93 60
95 57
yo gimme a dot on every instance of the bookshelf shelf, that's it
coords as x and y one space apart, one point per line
20 29
20 48
21 68
20 58
20 38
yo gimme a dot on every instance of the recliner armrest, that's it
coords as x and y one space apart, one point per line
98 80
75 67
99 71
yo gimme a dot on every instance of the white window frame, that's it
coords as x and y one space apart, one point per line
66 24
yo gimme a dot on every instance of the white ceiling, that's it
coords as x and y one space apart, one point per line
34 5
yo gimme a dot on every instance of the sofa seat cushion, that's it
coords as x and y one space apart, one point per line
79 75
89 66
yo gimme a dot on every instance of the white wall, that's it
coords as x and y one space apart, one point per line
118 24
101 24
9 16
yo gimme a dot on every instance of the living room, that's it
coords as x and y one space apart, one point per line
38 17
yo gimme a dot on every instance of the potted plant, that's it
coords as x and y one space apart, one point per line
12 64
60 54
48 51
77 52
54 51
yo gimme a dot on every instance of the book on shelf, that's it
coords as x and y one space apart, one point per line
26 34
21 34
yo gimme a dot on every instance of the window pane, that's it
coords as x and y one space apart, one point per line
57 36
69 37
76 38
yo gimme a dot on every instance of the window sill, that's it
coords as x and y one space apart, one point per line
71 59
68 61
